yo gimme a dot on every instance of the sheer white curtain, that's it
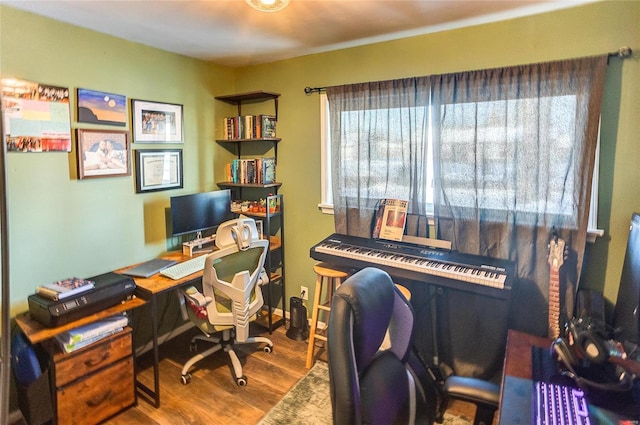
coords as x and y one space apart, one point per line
379 138
513 157
514 151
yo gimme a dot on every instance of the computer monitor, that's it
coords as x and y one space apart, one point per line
198 212
626 315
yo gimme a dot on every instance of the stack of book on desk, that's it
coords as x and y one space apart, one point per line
65 288
82 336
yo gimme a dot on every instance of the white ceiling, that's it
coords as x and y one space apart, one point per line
229 32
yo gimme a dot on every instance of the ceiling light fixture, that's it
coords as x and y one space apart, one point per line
268 5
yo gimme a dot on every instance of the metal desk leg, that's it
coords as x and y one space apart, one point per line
156 356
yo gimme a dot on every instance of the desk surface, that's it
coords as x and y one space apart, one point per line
37 333
515 394
155 284
517 359
158 283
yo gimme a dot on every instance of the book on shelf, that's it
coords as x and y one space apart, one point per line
70 347
251 171
65 288
250 127
268 170
92 330
390 219
268 126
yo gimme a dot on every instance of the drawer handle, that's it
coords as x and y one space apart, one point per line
90 363
97 402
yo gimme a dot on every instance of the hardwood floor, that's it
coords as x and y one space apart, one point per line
212 397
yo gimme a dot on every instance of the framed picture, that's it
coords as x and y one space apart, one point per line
158 169
103 153
36 117
98 107
155 122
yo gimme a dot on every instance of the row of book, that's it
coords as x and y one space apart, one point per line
82 336
252 171
65 288
250 127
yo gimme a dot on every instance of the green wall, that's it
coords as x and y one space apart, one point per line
61 226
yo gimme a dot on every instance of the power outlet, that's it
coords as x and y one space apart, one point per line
304 293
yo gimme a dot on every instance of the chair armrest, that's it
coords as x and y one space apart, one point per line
197 302
263 279
193 295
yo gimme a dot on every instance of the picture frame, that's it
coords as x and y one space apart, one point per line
103 153
36 117
155 122
97 107
158 169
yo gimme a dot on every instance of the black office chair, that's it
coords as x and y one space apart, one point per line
485 395
374 375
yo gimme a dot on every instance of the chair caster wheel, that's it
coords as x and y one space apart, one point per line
193 347
185 379
268 349
242 381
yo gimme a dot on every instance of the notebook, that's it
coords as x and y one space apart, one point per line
149 268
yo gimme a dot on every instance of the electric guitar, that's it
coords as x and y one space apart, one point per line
556 259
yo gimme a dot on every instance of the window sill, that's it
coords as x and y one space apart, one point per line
593 234
326 208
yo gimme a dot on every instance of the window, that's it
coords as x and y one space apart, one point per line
491 130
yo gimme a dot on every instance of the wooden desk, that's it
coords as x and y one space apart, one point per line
148 289
515 399
74 377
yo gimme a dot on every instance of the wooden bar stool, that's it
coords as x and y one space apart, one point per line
333 277
404 291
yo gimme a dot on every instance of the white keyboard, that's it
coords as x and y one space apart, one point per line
185 268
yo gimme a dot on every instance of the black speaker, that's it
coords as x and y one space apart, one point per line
298 324
626 316
590 303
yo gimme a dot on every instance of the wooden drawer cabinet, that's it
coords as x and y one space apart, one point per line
95 382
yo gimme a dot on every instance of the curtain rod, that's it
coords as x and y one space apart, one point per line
622 53
309 90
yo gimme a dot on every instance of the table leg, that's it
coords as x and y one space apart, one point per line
156 356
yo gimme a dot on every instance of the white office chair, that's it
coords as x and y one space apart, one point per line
231 295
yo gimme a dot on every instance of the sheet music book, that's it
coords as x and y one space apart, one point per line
391 218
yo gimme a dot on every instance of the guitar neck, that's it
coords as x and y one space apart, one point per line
554 303
556 258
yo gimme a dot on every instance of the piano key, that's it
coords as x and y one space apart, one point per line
411 259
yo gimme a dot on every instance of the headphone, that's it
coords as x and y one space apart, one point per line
588 339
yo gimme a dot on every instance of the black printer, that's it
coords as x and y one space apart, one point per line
110 289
